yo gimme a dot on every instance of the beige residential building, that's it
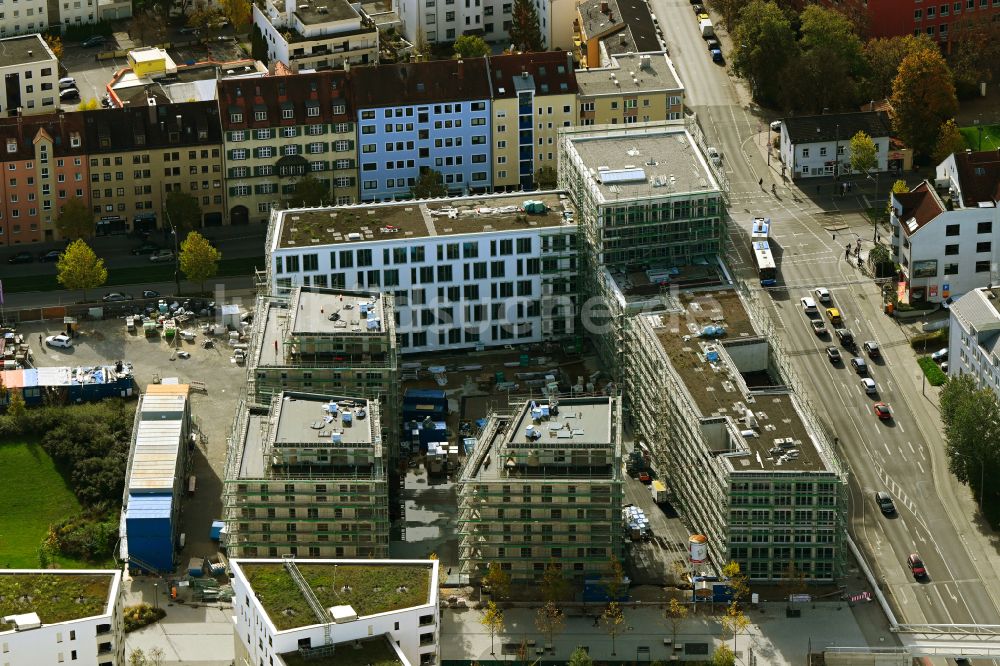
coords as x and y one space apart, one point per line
316 34
534 94
634 88
29 74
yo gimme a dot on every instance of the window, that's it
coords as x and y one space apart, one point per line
951 250
982 266
952 230
951 269
984 228
805 152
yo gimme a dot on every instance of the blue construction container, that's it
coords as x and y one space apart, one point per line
149 531
425 402
216 532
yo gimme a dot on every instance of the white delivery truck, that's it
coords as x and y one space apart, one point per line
707 30
658 490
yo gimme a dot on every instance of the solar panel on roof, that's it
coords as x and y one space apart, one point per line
622 176
911 224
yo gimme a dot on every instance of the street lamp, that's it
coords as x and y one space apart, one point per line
177 257
156 596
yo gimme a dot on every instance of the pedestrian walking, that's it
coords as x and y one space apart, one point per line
39 339
760 183
847 252
774 190
859 261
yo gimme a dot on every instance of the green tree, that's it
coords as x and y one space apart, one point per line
883 56
16 409
864 158
923 97
580 657
971 418
471 46
199 260
763 43
614 579
831 61
723 656
737 581
949 141
494 622
880 261
309 191
183 212
735 621
75 219
675 614
79 268
554 585
975 50
545 178
956 392
525 35
497 581
430 184
550 620
729 10
614 622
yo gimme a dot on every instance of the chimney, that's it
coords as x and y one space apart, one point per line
569 61
604 6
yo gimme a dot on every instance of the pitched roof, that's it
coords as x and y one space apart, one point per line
275 94
143 128
833 126
976 308
979 176
547 73
920 206
61 127
420 82
630 18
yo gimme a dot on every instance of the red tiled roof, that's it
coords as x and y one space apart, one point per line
921 204
274 94
979 176
420 83
551 71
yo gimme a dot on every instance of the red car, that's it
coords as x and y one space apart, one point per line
644 477
882 411
916 566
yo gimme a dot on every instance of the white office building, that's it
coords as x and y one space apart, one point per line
52 616
316 34
29 74
464 272
974 339
289 611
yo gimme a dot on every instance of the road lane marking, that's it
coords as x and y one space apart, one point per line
921 467
886 447
900 426
910 444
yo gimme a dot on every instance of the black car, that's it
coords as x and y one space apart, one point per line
146 248
93 42
149 293
20 258
833 354
885 503
50 256
712 44
698 9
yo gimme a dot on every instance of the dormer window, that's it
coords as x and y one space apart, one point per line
312 111
74 140
236 117
11 145
260 115
287 114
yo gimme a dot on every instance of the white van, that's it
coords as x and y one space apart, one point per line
67 82
808 304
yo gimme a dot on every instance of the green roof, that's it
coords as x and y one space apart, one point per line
368 588
374 652
54 597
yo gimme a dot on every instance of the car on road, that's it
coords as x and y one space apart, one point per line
713 154
50 256
146 248
822 293
940 355
150 293
162 255
188 30
846 338
20 258
859 365
115 297
833 314
69 95
93 42
869 386
885 503
712 44
833 354
819 328
871 348
882 411
67 82
644 477
916 566
808 305
59 341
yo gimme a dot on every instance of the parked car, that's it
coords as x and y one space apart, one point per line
146 248
819 328
69 95
717 55
871 348
115 297
698 9
808 305
833 354
93 42
150 293
822 293
60 340
713 154
869 386
712 44
885 503
20 258
162 255
859 365
882 411
67 82
916 566
940 355
50 256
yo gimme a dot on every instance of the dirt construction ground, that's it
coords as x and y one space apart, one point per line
104 342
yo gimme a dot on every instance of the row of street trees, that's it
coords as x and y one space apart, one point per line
971 419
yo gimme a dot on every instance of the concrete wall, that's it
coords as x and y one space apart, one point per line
749 355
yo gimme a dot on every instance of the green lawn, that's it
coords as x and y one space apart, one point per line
991 136
32 496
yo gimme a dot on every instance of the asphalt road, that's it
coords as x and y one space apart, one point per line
904 456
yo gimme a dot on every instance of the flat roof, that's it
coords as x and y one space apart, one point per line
626 164
328 312
652 72
24 50
579 422
315 420
370 587
313 12
714 391
158 439
56 596
369 223
376 651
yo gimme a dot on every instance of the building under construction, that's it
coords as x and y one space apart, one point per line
306 477
544 484
743 457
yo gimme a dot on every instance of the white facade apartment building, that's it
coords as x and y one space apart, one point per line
974 339
464 272
23 17
29 74
36 630
402 621
820 146
447 20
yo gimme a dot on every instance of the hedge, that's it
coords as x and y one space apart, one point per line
935 375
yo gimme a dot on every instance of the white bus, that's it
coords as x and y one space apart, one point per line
763 261
760 230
